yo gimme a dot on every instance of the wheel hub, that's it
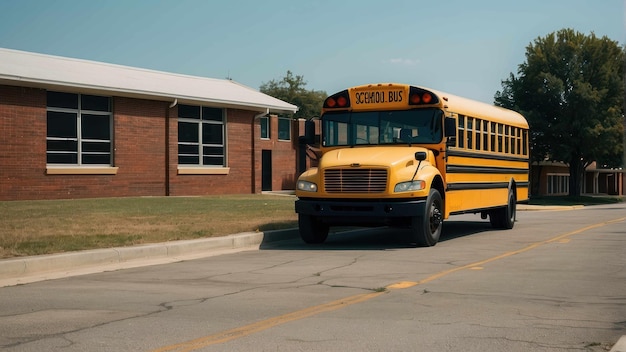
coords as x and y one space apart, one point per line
435 218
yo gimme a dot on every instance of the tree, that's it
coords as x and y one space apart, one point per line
571 90
291 89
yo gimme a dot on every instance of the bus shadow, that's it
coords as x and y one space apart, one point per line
380 238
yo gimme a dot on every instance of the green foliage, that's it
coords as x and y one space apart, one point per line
571 90
292 90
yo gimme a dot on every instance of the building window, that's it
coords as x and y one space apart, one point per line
265 127
79 129
284 129
558 184
201 136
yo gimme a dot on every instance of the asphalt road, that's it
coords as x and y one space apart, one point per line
556 282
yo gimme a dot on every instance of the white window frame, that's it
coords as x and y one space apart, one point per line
557 184
200 122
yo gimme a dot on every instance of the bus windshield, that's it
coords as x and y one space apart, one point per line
348 128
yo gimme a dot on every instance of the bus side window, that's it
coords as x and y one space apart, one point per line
493 136
470 132
478 128
500 137
513 133
507 134
461 132
486 136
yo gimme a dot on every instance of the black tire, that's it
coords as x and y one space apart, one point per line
504 218
312 231
426 228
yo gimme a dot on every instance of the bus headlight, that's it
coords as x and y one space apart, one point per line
410 186
307 186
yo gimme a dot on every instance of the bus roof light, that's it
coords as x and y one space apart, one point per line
420 96
340 100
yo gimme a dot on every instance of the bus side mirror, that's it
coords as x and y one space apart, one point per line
450 131
309 132
420 156
450 127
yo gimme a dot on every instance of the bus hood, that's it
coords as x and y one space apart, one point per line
370 156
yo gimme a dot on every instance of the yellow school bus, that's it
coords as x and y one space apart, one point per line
408 156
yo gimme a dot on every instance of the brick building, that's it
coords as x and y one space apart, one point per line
552 179
80 129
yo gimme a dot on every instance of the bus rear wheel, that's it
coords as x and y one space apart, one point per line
312 230
426 228
504 218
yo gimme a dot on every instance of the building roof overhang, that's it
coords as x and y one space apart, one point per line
22 68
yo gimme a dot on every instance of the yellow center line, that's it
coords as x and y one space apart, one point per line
245 330
522 250
249 329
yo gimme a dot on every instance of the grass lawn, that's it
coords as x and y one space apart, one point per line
53 226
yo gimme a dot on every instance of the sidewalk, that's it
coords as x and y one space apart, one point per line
620 346
528 207
22 270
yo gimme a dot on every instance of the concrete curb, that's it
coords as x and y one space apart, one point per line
36 268
528 207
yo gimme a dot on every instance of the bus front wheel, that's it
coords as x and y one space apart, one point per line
426 228
312 230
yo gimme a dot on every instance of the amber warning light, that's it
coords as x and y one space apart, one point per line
418 96
339 100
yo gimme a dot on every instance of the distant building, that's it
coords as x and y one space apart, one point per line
552 179
74 129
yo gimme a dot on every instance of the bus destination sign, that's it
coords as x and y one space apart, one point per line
390 96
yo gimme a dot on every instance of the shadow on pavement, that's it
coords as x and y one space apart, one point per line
380 238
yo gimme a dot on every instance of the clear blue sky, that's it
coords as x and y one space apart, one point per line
458 46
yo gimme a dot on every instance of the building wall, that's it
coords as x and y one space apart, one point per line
23 143
139 149
145 153
283 155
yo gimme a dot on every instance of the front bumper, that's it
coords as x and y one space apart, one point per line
360 213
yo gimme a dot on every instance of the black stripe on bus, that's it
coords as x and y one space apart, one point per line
464 169
482 185
462 153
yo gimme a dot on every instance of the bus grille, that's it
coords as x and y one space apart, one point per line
355 180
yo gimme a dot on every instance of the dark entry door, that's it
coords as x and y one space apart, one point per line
266 170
